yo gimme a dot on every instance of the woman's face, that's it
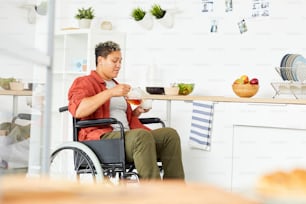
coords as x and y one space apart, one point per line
109 67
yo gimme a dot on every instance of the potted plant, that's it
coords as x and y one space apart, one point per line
157 11
138 14
162 16
143 18
85 17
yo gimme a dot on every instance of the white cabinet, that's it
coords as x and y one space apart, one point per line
248 140
214 166
266 137
210 167
74 56
258 150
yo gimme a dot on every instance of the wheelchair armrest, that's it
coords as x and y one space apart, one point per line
63 109
24 116
151 121
93 122
100 122
96 122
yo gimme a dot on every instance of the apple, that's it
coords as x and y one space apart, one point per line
245 79
254 81
238 81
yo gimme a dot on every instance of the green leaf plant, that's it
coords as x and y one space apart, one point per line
138 14
157 11
85 13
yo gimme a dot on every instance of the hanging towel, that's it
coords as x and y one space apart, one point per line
201 125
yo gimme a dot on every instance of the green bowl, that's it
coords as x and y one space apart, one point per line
185 88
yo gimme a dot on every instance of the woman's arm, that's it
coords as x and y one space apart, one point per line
90 104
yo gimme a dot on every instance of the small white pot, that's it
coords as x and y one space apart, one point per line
167 20
84 23
146 22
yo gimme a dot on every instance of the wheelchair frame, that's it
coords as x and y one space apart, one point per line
100 158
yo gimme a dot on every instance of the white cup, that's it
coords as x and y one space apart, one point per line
146 104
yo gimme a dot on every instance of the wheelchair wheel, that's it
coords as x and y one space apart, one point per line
75 161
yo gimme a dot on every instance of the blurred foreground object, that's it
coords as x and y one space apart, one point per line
25 190
280 186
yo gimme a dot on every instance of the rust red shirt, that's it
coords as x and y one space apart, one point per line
91 85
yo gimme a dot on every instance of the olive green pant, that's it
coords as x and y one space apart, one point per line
144 148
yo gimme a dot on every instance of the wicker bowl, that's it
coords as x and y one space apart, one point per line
245 90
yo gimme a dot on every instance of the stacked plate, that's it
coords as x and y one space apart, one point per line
293 68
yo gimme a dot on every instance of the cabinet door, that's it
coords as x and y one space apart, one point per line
214 166
258 150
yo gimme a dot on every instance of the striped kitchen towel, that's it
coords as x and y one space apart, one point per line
201 125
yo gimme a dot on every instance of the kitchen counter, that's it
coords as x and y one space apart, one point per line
226 99
250 137
15 95
190 98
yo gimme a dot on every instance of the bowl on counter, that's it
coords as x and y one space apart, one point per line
185 88
245 90
172 91
155 90
16 86
5 83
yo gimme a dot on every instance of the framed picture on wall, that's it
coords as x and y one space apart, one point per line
208 6
260 8
228 5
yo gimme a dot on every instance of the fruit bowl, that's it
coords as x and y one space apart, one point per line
185 88
245 90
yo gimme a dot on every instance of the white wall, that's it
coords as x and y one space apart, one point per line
189 52
14 28
17 32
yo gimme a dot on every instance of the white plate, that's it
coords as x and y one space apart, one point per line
284 59
301 72
299 59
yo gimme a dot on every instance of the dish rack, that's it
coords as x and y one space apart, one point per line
294 88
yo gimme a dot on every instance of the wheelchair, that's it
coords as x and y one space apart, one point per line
95 160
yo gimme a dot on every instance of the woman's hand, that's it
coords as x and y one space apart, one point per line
139 110
120 90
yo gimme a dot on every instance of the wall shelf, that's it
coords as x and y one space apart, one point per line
74 56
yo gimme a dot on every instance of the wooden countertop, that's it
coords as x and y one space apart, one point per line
227 99
16 93
31 191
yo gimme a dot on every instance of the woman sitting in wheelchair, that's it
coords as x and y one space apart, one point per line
99 95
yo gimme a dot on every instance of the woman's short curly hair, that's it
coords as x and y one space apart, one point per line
105 48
